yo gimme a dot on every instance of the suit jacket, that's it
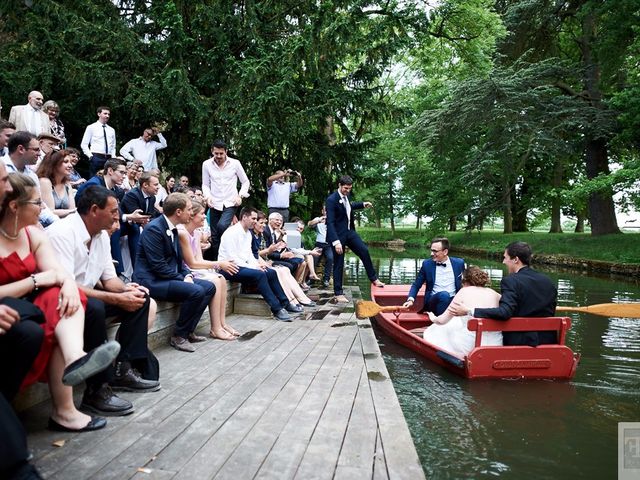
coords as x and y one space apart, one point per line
427 275
268 238
98 180
134 199
526 293
338 223
18 117
159 258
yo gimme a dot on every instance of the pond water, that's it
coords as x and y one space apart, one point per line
520 429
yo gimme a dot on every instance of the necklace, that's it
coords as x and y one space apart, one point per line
6 235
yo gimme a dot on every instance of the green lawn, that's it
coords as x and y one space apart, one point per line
624 248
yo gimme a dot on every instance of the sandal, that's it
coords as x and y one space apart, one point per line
232 331
228 337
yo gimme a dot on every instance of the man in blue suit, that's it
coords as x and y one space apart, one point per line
341 233
442 275
159 267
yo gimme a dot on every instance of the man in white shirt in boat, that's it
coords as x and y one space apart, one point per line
443 276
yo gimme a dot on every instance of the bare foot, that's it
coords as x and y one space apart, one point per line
340 299
231 330
221 335
378 283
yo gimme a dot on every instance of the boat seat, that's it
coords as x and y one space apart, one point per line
560 325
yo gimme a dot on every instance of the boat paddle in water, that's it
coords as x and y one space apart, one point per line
622 310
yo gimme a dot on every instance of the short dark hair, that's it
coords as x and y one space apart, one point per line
345 180
146 177
247 211
94 195
218 144
4 124
522 250
101 108
443 240
174 202
113 164
261 214
20 138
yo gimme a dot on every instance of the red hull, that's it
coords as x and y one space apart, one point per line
541 362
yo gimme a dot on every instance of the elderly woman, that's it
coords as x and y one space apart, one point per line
52 109
450 332
29 269
54 172
291 288
189 236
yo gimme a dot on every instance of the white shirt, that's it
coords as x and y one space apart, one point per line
220 183
93 140
235 245
445 280
87 263
278 194
138 149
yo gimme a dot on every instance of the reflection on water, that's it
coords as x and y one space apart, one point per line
515 429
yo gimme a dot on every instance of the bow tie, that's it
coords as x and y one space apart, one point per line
441 264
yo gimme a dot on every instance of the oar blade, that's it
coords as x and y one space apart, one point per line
366 309
621 310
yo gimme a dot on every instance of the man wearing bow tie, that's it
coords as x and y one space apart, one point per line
443 276
341 233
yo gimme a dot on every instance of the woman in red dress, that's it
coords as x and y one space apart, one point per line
28 268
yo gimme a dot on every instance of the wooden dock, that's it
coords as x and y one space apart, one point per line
310 399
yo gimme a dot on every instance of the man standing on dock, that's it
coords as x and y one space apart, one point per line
341 233
525 293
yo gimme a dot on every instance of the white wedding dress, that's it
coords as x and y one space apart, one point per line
454 337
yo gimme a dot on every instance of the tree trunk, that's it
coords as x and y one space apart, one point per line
602 213
418 222
393 221
580 218
508 219
518 208
556 203
453 224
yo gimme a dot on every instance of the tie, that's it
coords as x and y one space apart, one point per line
175 241
106 143
347 207
441 264
147 202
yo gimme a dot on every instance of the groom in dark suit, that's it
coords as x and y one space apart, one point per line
525 293
341 233
159 267
443 276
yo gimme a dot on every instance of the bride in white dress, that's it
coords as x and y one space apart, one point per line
449 332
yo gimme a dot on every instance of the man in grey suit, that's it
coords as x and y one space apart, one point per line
30 117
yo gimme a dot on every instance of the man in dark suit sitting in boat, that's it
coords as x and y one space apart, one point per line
443 276
525 293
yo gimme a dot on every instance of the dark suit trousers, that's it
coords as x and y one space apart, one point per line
19 346
357 246
193 297
96 164
219 222
132 334
13 447
267 283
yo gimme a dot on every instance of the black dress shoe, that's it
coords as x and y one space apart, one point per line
128 379
96 423
93 362
103 401
293 308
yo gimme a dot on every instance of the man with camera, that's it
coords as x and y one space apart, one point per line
279 188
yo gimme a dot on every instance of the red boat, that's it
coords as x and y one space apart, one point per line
542 362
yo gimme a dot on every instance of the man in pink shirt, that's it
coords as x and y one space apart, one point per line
220 177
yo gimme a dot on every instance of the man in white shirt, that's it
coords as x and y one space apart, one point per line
279 189
30 117
83 248
23 153
235 246
99 141
220 176
144 148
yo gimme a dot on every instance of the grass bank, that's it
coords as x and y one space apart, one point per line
624 248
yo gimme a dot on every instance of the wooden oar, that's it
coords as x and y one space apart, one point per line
366 308
622 310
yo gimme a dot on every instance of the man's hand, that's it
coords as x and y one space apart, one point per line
368 204
339 249
138 217
458 308
407 304
133 286
188 278
8 317
131 299
316 252
238 201
230 267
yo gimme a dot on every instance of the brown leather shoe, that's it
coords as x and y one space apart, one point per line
193 338
181 344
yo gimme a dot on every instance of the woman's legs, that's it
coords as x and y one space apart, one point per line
296 291
64 410
217 308
153 313
283 275
311 267
69 334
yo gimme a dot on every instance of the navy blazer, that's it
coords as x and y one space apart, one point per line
427 274
98 180
526 293
268 238
158 260
338 223
134 200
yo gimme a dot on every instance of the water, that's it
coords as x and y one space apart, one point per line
520 429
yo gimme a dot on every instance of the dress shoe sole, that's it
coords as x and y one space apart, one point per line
124 388
96 423
93 362
106 413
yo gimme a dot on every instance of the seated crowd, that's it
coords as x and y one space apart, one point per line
76 253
